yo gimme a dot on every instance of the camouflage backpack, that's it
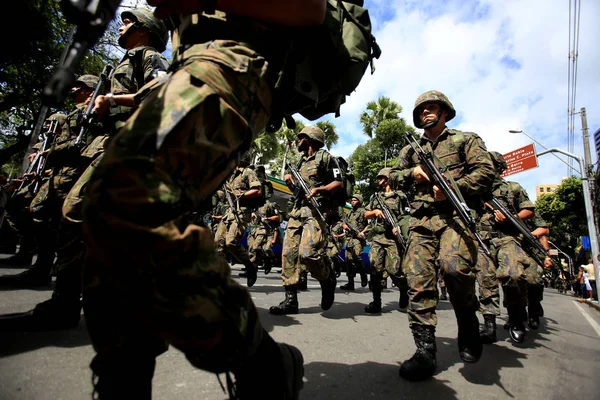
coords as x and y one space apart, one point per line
325 63
341 166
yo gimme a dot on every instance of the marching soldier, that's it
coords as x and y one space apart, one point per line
305 237
261 240
437 236
385 254
355 242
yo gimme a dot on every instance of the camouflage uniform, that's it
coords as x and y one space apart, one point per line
155 280
333 248
435 232
355 244
535 283
260 240
242 180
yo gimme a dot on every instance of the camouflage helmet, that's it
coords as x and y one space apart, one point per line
358 197
245 159
145 18
313 132
87 80
385 172
499 161
436 97
61 118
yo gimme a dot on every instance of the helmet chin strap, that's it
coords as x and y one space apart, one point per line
434 122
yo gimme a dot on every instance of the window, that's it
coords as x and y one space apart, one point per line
541 190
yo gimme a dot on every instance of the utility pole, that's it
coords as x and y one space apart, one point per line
588 165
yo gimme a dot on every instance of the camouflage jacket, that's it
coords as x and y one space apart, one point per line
397 203
461 155
268 210
357 219
242 180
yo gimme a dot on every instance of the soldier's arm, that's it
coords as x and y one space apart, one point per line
402 175
254 184
289 12
479 169
155 65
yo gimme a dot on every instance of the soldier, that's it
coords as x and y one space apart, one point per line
245 187
534 274
335 240
510 258
305 236
437 237
65 164
355 226
218 212
158 281
385 256
260 242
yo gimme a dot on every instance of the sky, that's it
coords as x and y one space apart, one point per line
502 63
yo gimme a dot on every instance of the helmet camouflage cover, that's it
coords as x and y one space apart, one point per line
87 80
358 197
385 172
499 161
61 118
435 97
313 132
156 27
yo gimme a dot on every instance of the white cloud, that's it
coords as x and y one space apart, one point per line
445 46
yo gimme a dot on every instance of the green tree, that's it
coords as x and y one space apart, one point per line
378 111
265 148
381 151
287 139
564 211
331 136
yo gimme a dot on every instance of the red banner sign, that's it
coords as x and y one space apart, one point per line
520 160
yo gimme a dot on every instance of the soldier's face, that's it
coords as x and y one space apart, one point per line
302 142
126 25
354 203
428 112
383 181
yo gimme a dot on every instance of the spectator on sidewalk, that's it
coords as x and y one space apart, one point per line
581 283
589 268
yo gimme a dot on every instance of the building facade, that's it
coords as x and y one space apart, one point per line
545 188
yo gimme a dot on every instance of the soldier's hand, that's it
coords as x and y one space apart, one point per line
420 175
288 178
438 194
394 231
101 105
346 228
361 235
499 216
548 262
313 193
378 213
31 156
166 7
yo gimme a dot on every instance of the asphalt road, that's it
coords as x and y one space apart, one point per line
348 354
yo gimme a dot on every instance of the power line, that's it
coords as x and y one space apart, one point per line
574 23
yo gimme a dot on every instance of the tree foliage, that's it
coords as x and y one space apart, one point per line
378 111
564 211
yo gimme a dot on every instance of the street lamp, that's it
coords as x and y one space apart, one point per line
544 147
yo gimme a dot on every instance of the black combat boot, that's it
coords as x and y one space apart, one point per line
281 362
469 342
402 284
23 257
269 262
349 285
123 377
364 280
36 276
55 314
303 281
516 324
423 363
444 295
534 306
328 291
374 307
289 305
488 332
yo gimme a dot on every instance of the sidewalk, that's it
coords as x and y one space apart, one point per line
593 304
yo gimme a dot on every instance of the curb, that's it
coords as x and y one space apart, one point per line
590 304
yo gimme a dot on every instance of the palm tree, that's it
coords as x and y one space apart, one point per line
378 111
331 136
287 137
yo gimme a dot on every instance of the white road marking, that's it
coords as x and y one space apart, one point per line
589 319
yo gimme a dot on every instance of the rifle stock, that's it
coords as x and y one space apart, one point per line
436 177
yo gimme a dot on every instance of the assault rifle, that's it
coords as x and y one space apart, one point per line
352 229
389 218
303 188
89 115
455 199
232 205
91 18
531 244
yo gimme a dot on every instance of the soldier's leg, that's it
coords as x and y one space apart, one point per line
419 266
535 289
233 245
267 251
350 266
377 259
442 282
220 234
311 254
19 218
394 269
159 279
356 250
511 264
290 272
489 297
458 262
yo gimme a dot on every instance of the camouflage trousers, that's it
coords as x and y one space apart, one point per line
511 263
149 280
260 246
220 232
446 244
18 214
354 262
384 258
489 291
231 244
304 246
